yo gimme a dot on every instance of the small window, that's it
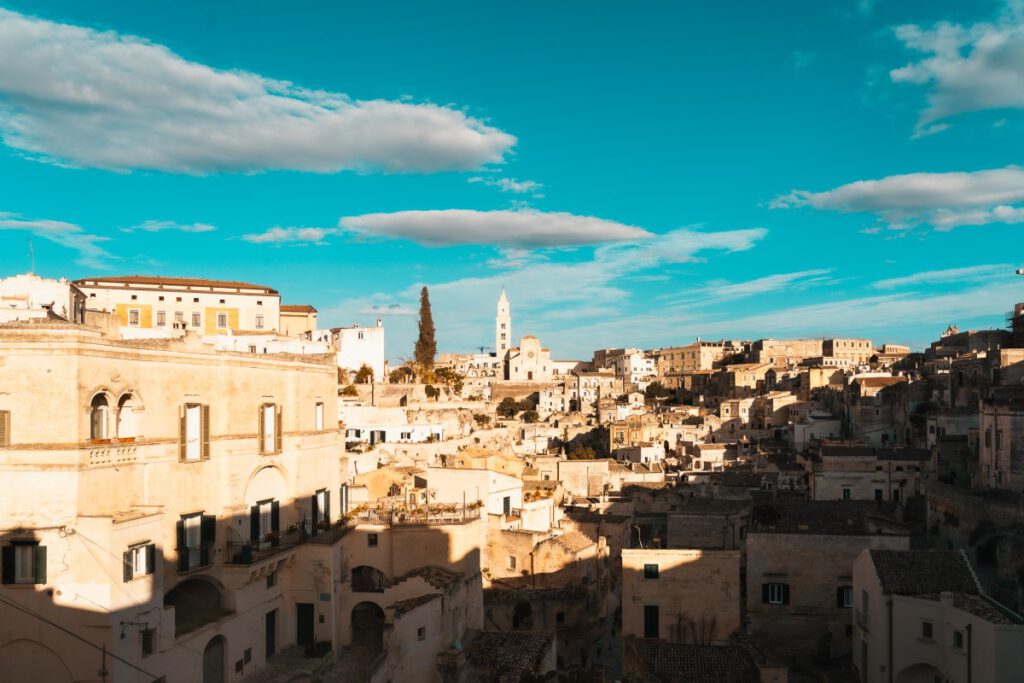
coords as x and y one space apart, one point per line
179 317
650 571
148 638
222 300
270 429
421 633
160 298
135 297
958 640
139 560
161 318
197 319
195 300
775 593
371 540
133 317
247 655
319 416
194 433
24 562
178 299
927 630
259 321
846 493
878 494
844 597
511 561
560 617
222 320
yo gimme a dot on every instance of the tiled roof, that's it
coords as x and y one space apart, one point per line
500 596
438 577
171 282
695 663
403 606
919 572
297 308
509 651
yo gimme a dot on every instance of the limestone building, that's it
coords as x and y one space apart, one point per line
503 327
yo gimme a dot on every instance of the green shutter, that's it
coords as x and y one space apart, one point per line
126 565
206 433
40 564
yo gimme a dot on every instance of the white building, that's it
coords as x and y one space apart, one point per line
357 346
29 296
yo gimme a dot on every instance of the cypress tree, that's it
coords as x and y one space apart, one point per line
426 345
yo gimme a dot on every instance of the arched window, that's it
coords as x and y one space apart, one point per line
126 425
98 417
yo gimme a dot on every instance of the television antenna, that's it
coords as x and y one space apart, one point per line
32 256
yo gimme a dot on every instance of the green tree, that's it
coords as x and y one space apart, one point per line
657 390
482 420
364 374
530 415
580 451
431 391
507 407
349 391
426 344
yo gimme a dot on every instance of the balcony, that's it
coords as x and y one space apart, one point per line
195 557
427 516
248 553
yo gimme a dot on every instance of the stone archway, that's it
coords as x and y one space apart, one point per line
919 673
27 660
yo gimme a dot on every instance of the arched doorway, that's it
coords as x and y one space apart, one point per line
196 601
368 627
919 673
213 660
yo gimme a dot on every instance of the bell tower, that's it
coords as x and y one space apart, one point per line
503 327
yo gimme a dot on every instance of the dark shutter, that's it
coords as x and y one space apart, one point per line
150 558
262 431
206 433
254 523
314 512
207 535
182 550
765 588
839 597
40 564
785 594
182 432
128 568
275 519
327 505
5 428
277 430
8 564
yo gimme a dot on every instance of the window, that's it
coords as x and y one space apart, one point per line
775 593
321 509
371 540
511 561
559 617
650 571
270 428
147 636
844 596
222 320
896 494
999 439
247 655
265 522
360 335
179 317
958 640
98 417
178 299
5 428
259 321
846 493
222 300
927 630
133 317
160 298
878 494
161 318
319 416
24 562
139 560
195 300
194 433
421 633
135 297
197 319
651 619
196 535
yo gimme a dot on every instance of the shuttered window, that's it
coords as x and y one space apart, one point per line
5 428
139 560
24 562
194 432
196 536
775 593
270 428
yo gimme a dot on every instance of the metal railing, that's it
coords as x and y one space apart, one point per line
391 517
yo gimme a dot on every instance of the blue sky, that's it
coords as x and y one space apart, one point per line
634 173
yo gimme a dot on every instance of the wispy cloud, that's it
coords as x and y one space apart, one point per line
87 247
530 187
942 200
279 235
524 228
966 68
389 309
81 97
720 292
946 276
161 226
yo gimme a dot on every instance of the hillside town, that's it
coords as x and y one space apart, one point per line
202 484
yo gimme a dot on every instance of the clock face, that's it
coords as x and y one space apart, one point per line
530 354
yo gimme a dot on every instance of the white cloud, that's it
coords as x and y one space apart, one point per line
160 226
520 228
68 235
530 187
279 235
948 275
389 309
966 68
720 292
942 200
82 97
